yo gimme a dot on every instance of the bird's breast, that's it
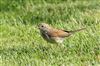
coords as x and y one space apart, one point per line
52 39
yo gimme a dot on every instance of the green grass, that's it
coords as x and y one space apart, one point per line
22 45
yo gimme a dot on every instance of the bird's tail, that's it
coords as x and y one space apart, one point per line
75 30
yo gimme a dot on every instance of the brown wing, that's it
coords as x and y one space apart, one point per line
58 33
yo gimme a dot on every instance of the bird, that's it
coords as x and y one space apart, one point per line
54 35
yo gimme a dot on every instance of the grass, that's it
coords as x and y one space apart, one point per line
22 45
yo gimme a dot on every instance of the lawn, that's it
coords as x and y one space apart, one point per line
22 45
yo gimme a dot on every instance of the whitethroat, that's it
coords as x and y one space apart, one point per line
54 35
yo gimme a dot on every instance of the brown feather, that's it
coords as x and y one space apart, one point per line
75 30
58 33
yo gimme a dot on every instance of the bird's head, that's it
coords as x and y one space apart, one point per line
44 27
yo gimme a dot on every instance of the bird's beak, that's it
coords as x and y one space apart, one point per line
37 27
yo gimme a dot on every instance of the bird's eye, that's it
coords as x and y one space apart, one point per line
42 26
